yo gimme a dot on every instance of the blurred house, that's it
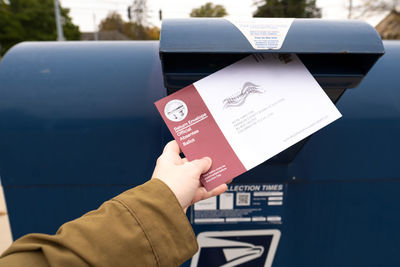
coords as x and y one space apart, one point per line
389 27
103 35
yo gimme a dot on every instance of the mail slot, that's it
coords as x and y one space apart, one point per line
338 53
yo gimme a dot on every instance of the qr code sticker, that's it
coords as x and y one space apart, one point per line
243 199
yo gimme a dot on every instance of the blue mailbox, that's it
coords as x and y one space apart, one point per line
78 126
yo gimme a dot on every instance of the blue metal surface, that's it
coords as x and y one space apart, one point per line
334 224
217 35
343 185
78 126
79 113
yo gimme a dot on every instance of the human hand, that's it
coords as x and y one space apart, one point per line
183 176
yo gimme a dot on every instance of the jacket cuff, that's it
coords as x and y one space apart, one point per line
163 221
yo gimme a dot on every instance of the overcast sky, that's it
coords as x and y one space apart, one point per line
88 13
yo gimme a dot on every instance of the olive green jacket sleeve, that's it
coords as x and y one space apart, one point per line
144 226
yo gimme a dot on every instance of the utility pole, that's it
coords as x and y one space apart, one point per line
130 13
350 9
60 34
96 31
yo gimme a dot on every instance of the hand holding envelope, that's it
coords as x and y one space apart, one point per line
182 176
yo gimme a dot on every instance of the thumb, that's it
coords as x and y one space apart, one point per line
203 165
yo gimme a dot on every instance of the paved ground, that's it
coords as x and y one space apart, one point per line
5 231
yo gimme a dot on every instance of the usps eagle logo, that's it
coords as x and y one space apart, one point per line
240 98
236 248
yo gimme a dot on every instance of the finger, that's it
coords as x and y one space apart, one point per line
171 151
202 194
185 160
218 190
202 165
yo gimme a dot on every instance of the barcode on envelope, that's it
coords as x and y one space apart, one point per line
243 199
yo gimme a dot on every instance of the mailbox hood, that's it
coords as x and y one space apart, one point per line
338 53
216 35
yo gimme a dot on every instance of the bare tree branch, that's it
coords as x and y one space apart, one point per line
371 8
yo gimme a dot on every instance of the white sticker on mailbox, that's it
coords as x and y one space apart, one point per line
254 204
264 33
